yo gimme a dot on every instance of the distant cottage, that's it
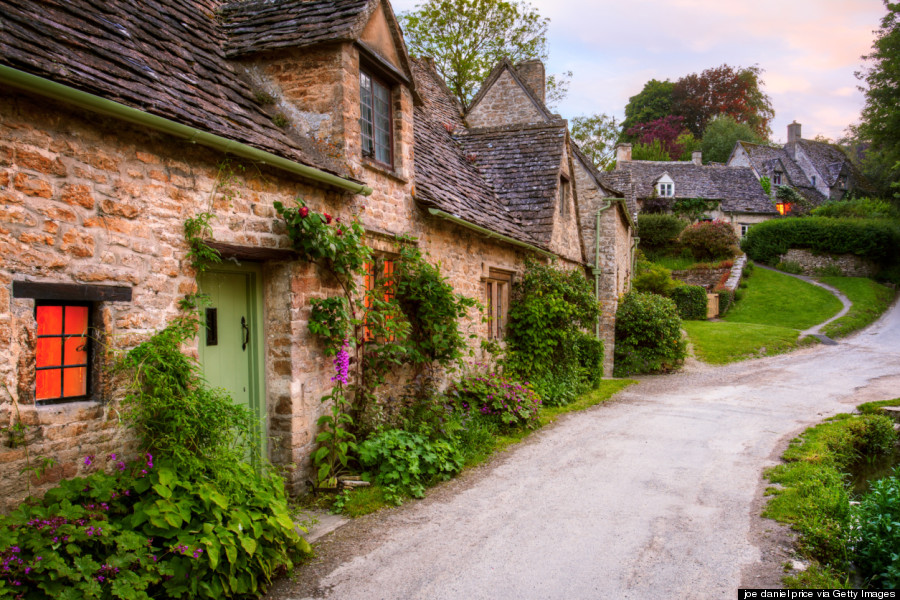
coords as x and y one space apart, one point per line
120 121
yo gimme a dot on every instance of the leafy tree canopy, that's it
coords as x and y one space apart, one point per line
881 115
667 130
721 135
467 38
723 90
596 136
653 102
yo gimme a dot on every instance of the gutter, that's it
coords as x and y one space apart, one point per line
57 91
487 232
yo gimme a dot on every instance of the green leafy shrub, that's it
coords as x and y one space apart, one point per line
829 271
405 463
726 300
648 335
509 402
691 301
876 543
873 239
789 266
659 232
189 519
710 240
652 278
550 311
857 208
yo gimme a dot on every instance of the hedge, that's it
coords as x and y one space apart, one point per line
691 301
659 231
873 239
648 335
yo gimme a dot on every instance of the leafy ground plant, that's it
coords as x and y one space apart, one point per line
511 403
812 495
189 518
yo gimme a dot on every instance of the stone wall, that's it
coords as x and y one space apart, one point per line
505 103
708 278
849 264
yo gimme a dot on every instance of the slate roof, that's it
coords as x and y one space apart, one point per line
261 25
736 188
522 164
767 159
827 158
440 103
164 57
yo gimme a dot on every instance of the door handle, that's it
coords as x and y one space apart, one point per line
246 331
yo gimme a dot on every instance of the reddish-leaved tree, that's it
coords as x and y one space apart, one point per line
666 130
723 90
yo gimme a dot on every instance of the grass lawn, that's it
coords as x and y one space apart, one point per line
870 300
718 343
773 298
367 500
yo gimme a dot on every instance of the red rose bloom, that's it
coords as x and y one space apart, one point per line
339 231
304 211
327 217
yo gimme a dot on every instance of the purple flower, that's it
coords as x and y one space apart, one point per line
149 460
121 465
111 456
342 363
88 460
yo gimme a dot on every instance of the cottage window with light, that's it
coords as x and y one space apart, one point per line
62 351
375 119
379 272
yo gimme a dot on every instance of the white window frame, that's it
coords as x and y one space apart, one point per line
666 189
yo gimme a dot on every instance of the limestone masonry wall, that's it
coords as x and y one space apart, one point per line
504 104
849 264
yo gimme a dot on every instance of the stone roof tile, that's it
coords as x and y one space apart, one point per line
164 57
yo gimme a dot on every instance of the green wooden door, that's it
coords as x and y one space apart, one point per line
230 345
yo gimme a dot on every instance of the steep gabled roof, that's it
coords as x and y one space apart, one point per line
164 57
767 159
522 164
736 188
261 25
827 158
506 65
445 178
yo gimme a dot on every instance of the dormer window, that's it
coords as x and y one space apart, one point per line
776 178
375 119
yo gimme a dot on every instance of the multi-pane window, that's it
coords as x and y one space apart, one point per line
666 190
62 351
496 292
375 119
776 178
382 272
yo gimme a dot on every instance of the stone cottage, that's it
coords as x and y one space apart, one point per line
818 171
118 122
741 199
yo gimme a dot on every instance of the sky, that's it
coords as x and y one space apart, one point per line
808 50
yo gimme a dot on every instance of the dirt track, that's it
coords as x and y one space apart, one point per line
655 495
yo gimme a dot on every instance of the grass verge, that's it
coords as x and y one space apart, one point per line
810 491
719 343
870 300
362 501
773 298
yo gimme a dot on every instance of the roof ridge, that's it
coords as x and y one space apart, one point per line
492 77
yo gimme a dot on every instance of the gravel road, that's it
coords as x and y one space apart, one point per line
654 495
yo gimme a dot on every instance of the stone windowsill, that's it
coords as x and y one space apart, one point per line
373 165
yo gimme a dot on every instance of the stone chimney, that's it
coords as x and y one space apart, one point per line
533 74
794 132
623 153
697 157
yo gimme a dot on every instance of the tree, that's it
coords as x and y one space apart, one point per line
652 151
596 136
653 102
467 38
667 130
880 123
723 90
721 135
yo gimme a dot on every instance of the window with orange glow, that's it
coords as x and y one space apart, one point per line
784 208
383 271
61 351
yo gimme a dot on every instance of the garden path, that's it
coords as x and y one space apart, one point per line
654 495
